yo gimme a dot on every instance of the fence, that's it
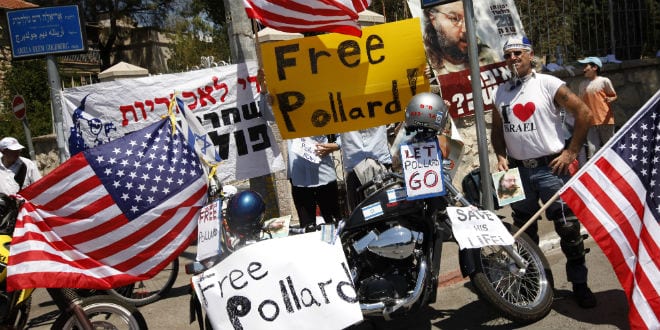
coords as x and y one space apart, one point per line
564 30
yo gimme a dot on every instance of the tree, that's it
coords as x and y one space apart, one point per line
196 37
30 79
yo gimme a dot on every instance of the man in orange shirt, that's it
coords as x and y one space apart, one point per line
597 92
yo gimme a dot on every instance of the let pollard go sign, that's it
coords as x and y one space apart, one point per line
336 83
297 282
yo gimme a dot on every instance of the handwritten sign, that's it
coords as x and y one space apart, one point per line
306 149
422 169
208 231
474 228
335 83
296 282
45 30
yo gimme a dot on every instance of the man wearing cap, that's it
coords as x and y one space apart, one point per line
527 133
24 170
598 93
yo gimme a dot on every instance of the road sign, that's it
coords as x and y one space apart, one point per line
18 105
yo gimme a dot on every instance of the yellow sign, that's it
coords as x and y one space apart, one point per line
336 83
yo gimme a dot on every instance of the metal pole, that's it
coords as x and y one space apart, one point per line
612 27
56 104
28 137
477 98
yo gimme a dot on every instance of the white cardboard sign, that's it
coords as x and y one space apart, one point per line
475 228
208 231
422 169
296 282
306 149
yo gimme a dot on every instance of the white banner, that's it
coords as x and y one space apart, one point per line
224 99
296 282
474 228
208 231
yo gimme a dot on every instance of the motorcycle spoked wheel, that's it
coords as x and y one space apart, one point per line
105 312
524 298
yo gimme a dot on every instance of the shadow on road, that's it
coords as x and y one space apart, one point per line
612 308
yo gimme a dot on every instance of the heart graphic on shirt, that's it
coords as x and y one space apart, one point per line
523 112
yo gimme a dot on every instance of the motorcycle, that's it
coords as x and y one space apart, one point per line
75 312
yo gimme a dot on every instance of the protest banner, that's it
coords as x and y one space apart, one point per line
336 83
475 228
296 282
208 230
495 22
224 100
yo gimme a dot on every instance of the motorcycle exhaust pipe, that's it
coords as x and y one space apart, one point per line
379 307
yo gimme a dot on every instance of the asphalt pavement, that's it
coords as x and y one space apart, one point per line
457 305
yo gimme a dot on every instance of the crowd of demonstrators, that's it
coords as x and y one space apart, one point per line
528 133
23 170
598 93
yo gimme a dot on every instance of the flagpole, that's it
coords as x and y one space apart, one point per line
256 44
632 121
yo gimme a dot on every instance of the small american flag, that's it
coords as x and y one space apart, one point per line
110 215
308 15
617 198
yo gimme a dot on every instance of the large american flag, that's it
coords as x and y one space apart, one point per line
110 215
616 196
308 15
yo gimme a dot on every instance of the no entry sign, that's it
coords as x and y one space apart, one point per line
18 105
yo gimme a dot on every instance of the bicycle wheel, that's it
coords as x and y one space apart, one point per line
147 291
105 312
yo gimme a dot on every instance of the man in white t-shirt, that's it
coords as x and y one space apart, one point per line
24 170
528 133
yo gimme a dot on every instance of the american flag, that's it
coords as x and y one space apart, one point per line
110 215
617 198
308 15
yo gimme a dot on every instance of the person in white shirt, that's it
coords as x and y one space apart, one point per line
24 170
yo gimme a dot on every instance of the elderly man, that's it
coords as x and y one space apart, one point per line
528 133
24 170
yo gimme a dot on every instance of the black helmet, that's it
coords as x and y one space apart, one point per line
426 110
245 213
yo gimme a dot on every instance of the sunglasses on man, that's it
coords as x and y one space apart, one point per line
517 53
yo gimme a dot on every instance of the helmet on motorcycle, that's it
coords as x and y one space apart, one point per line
426 110
245 213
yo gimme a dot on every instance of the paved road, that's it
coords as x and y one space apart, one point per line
457 306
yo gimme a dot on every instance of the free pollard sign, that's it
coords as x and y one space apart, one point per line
45 30
335 83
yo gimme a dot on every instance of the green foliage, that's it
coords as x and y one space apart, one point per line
30 79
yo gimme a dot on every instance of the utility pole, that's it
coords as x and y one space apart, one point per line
242 48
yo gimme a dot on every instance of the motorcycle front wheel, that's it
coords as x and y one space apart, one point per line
522 295
104 312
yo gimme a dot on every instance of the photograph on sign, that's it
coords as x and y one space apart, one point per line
475 228
43 31
422 169
335 83
508 186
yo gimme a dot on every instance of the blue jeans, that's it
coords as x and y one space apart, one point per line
540 184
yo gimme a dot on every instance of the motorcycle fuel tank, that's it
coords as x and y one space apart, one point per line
387 203
395 243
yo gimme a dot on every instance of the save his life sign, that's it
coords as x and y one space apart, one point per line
18 106
475 228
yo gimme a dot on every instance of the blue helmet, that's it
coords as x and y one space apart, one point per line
245 213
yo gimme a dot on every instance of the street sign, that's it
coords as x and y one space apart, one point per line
42 31
18 106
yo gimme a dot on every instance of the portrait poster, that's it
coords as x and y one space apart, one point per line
508 186
445 43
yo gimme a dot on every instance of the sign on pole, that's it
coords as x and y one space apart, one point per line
18 106
45 30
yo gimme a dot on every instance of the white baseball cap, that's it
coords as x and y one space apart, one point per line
10 143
